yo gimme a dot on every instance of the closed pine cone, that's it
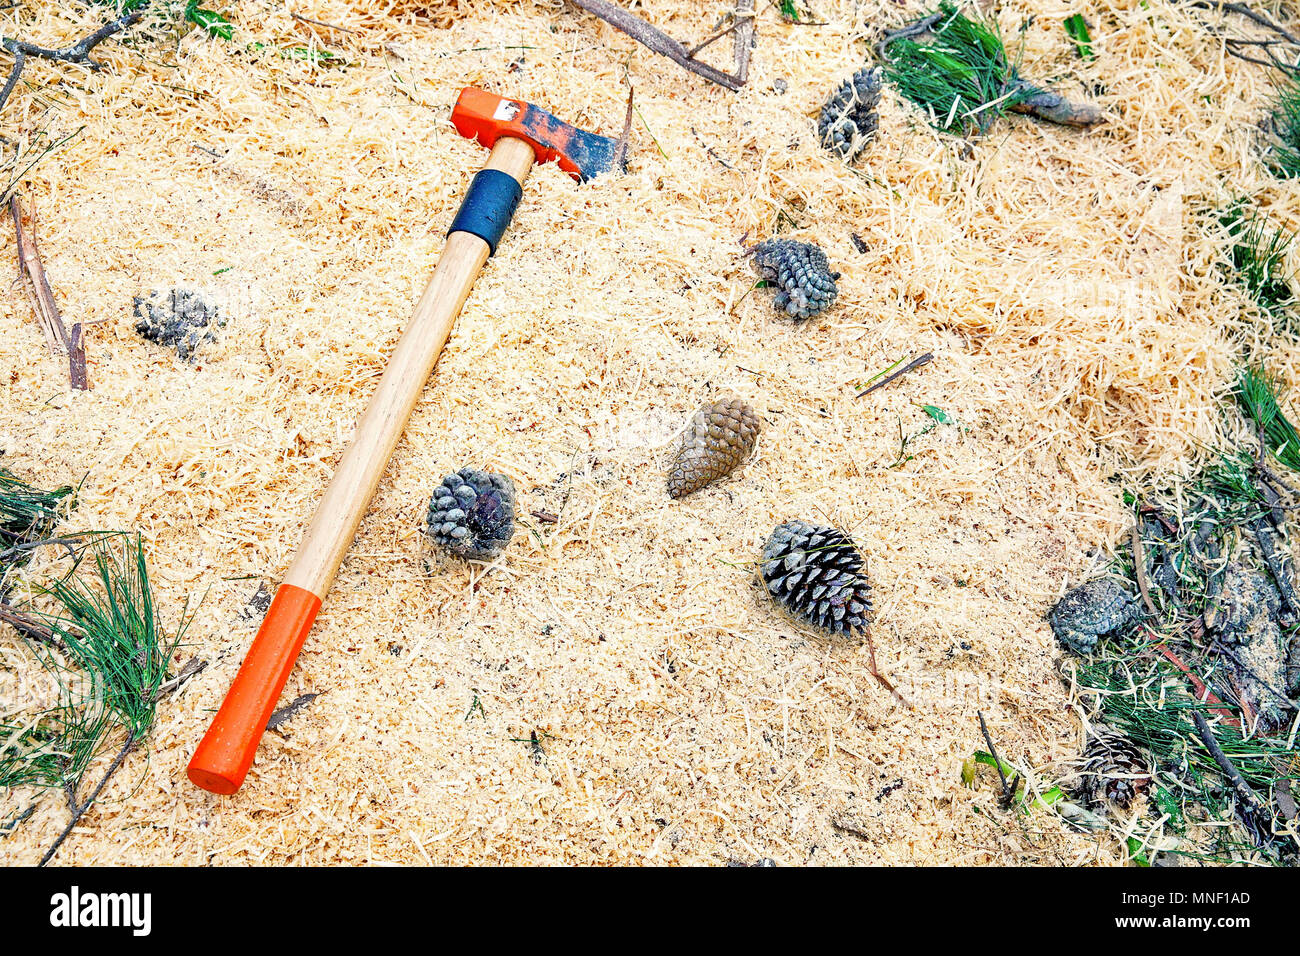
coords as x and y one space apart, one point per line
719 438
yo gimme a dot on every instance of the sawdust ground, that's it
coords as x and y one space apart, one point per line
616 688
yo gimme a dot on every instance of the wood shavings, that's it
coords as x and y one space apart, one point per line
1071 303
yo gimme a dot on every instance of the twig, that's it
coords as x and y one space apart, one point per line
1254 806
9 826
321 23
289 711
30 266
80 811
713 39
192 666
20 60
884 681
1139 567
655 40
77 359
28 627
1008 788
620 151
1245 11
79 52
909 367
914 29
746 29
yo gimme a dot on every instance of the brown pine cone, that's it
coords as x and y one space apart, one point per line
719 438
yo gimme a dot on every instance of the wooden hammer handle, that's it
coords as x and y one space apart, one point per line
226 751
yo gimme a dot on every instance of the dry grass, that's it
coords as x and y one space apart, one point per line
1081 326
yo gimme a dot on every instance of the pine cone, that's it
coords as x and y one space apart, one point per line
719 438
815 572
1115 770
472 514
1091 611
805 284
848 119
180 318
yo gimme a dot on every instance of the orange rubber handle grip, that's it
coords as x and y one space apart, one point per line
226 751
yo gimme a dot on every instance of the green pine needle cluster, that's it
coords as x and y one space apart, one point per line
1258 396
1258 255
28 513
961 75
108 657
1282 152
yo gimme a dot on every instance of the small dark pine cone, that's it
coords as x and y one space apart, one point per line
719 438
1115 770
815 572
799 270
179 318
472 514
1091 611
849 120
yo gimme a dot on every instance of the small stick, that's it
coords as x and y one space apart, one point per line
80 51
30 267
9 826
717 36
192 667
1008 789
1139 567
1243 789
20 60
655 40
77 359
321 23
620 151
884 681
1249 14
56 333
80 811
909 367
904 32
28 627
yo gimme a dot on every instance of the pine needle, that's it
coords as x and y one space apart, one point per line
961 75
1282 153
28 513
1258 257
1258 397
107 663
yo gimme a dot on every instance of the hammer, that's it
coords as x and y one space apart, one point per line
518 135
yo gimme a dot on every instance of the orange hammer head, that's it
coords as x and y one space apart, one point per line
487 117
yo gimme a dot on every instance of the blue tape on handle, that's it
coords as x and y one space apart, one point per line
488 206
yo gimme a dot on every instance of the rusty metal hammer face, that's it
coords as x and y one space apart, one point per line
487 117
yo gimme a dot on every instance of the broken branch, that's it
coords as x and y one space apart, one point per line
30 267
79 52
909 367
655 40
79 811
